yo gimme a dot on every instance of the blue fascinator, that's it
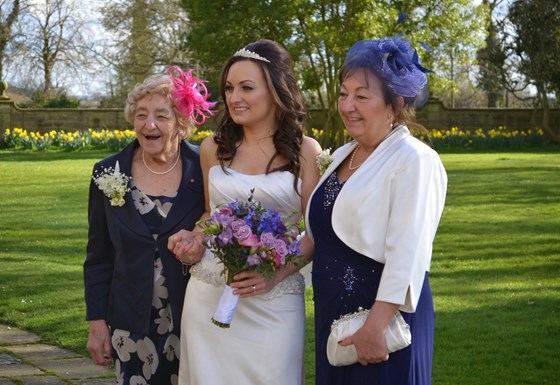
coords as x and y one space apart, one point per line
396 62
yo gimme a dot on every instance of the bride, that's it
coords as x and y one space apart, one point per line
259 145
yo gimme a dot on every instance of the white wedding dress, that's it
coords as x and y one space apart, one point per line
265 343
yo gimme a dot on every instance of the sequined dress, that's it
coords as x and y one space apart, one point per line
344 280
265 343
151 358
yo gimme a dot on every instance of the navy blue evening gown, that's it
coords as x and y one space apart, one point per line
344 280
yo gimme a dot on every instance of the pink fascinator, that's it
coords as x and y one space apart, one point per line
190 95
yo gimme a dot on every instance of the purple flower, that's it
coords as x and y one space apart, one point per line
222 216
280 247
294 247
237 223
271 222
254 260
267 239
243 232
225 237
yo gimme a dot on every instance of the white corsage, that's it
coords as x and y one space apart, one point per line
324 159
113 183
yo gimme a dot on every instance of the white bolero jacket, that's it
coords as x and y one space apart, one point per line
389 210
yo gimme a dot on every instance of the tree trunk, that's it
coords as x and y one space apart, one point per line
6 33
493 99
554 135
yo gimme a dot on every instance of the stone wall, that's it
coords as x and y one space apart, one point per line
433 115
68 119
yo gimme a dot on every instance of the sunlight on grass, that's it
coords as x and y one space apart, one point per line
495 270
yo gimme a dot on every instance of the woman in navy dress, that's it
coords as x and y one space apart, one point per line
373 218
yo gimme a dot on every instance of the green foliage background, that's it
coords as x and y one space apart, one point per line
318 35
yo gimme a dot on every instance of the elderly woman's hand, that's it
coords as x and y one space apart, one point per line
99 342
187 246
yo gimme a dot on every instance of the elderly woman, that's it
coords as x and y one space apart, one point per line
134 287
373 218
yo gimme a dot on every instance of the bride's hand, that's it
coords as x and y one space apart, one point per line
250 283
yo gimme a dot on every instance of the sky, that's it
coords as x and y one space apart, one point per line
88 85
83 84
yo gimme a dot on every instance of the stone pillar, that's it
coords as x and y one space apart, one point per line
6 105
3 88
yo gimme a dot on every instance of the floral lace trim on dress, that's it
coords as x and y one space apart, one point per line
293 284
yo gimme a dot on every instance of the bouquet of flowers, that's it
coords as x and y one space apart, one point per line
245 236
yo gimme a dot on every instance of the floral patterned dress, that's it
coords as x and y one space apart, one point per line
152 358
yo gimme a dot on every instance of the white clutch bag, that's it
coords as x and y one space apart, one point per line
397 336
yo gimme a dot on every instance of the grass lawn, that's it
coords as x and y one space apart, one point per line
495 270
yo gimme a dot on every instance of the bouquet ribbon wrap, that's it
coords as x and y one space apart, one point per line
226 308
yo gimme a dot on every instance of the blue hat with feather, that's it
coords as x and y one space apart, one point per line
393 60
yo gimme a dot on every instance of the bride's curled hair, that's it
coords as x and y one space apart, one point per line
276 64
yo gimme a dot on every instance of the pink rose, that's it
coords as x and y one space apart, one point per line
242 232
252 241
237 224
280 247
268 239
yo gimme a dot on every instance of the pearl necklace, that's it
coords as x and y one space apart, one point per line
350 167
162 172
352 159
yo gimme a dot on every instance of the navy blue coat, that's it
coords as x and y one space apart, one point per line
119 265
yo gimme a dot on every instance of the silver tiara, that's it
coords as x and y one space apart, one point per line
250 54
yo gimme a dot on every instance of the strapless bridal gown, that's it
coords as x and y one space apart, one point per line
265 343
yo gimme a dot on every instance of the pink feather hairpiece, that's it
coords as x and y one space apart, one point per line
190 95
